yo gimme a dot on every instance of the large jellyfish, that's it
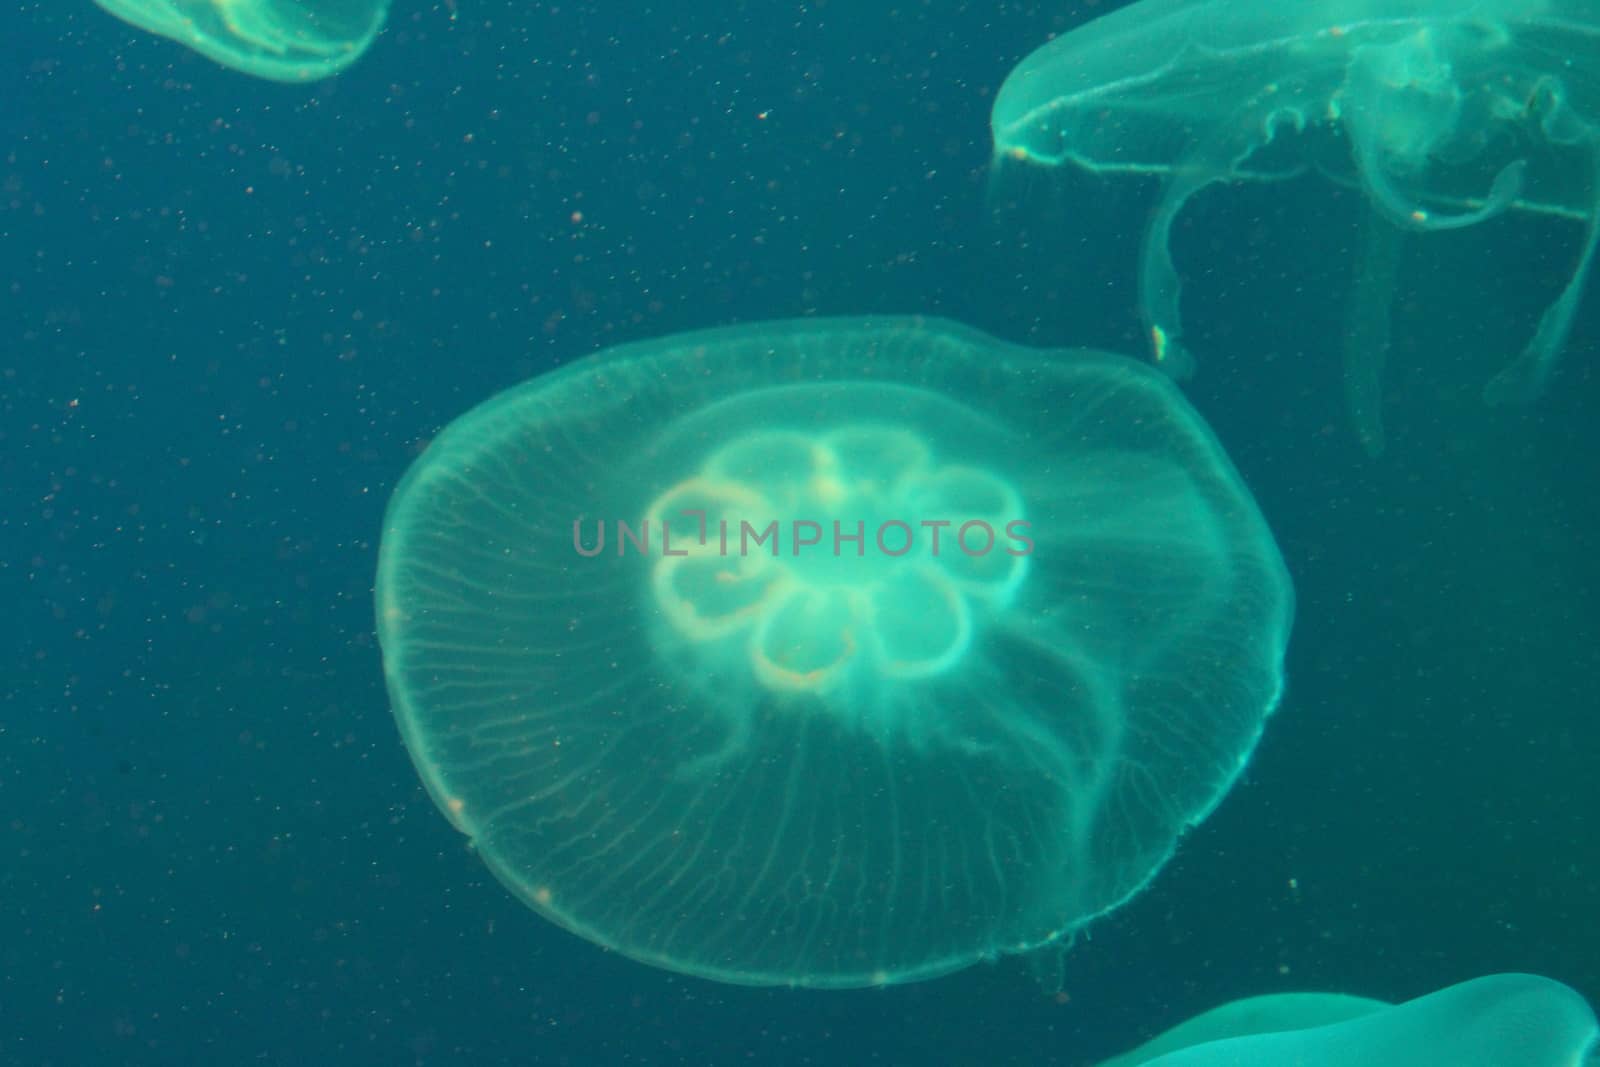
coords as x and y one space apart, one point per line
1446 113
1503 1020
279 40
833 652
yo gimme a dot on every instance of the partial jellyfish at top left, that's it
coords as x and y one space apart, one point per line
279 40
832 652
1444 114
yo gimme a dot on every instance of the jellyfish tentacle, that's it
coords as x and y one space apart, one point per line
1160 291
1386 196
1366 339
1525 378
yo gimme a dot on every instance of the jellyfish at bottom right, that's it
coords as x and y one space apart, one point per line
1502 1020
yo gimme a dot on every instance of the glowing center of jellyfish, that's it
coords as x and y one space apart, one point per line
810 562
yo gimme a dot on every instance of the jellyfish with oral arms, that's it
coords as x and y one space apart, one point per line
1441 114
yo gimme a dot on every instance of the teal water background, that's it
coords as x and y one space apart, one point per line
233 312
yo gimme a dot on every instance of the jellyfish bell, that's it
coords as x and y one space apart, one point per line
1444 114
277 40
829 653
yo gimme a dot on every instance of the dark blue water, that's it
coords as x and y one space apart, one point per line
233 312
